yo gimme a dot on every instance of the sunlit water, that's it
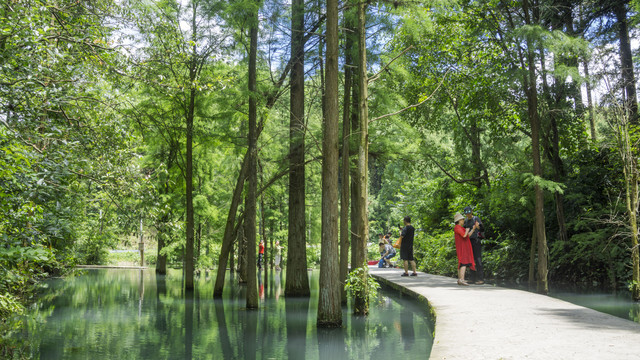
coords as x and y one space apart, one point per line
130 314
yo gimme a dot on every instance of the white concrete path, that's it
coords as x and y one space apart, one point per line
489 322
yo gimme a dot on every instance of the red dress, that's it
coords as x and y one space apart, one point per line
463 247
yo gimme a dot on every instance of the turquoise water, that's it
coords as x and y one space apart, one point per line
133 314
618 304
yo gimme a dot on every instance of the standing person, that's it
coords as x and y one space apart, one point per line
278 255
406 247
260 253
463 247
387 238
477 276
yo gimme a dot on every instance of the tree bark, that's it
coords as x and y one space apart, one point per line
532 256
361 301
251 209
626 60
346 153
297 283
189 260
592 119
532 109
329 304
227 240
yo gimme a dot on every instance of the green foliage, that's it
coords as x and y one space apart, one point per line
436 254
359 281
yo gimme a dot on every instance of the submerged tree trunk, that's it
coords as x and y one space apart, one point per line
329 304
361 301
251 209
297 283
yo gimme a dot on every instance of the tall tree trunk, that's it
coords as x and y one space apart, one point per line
532 109
329 304
361 301
355 233
592 119
532 256
626 60
227 239
251 209
532 102
189 260
297 283
344 192
242 250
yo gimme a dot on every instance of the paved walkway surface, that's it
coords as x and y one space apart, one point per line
489 322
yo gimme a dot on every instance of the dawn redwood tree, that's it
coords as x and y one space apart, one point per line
361 305
251 210
346 153
297 283
329 299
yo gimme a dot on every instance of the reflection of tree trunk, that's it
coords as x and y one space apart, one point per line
297 283
329 308
223 331
361 301
296 317
188 324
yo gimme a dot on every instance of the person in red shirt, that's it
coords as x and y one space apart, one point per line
463 247
260 254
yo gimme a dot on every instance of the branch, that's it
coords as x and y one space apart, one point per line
459 181
414 105
376 76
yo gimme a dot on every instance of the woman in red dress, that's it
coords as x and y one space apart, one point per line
463 247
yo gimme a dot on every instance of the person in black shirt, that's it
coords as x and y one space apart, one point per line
406 247
477 276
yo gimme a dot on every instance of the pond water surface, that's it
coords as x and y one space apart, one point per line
133 314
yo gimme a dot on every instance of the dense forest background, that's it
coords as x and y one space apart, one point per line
129 120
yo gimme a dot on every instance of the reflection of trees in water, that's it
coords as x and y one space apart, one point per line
109 313
406 329
297 315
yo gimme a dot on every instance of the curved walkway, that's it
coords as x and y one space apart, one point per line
489 322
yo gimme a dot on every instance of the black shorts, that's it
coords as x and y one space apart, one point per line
406 254
461 265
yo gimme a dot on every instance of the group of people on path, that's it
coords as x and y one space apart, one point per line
468 234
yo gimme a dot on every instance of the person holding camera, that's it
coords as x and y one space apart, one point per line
477 277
